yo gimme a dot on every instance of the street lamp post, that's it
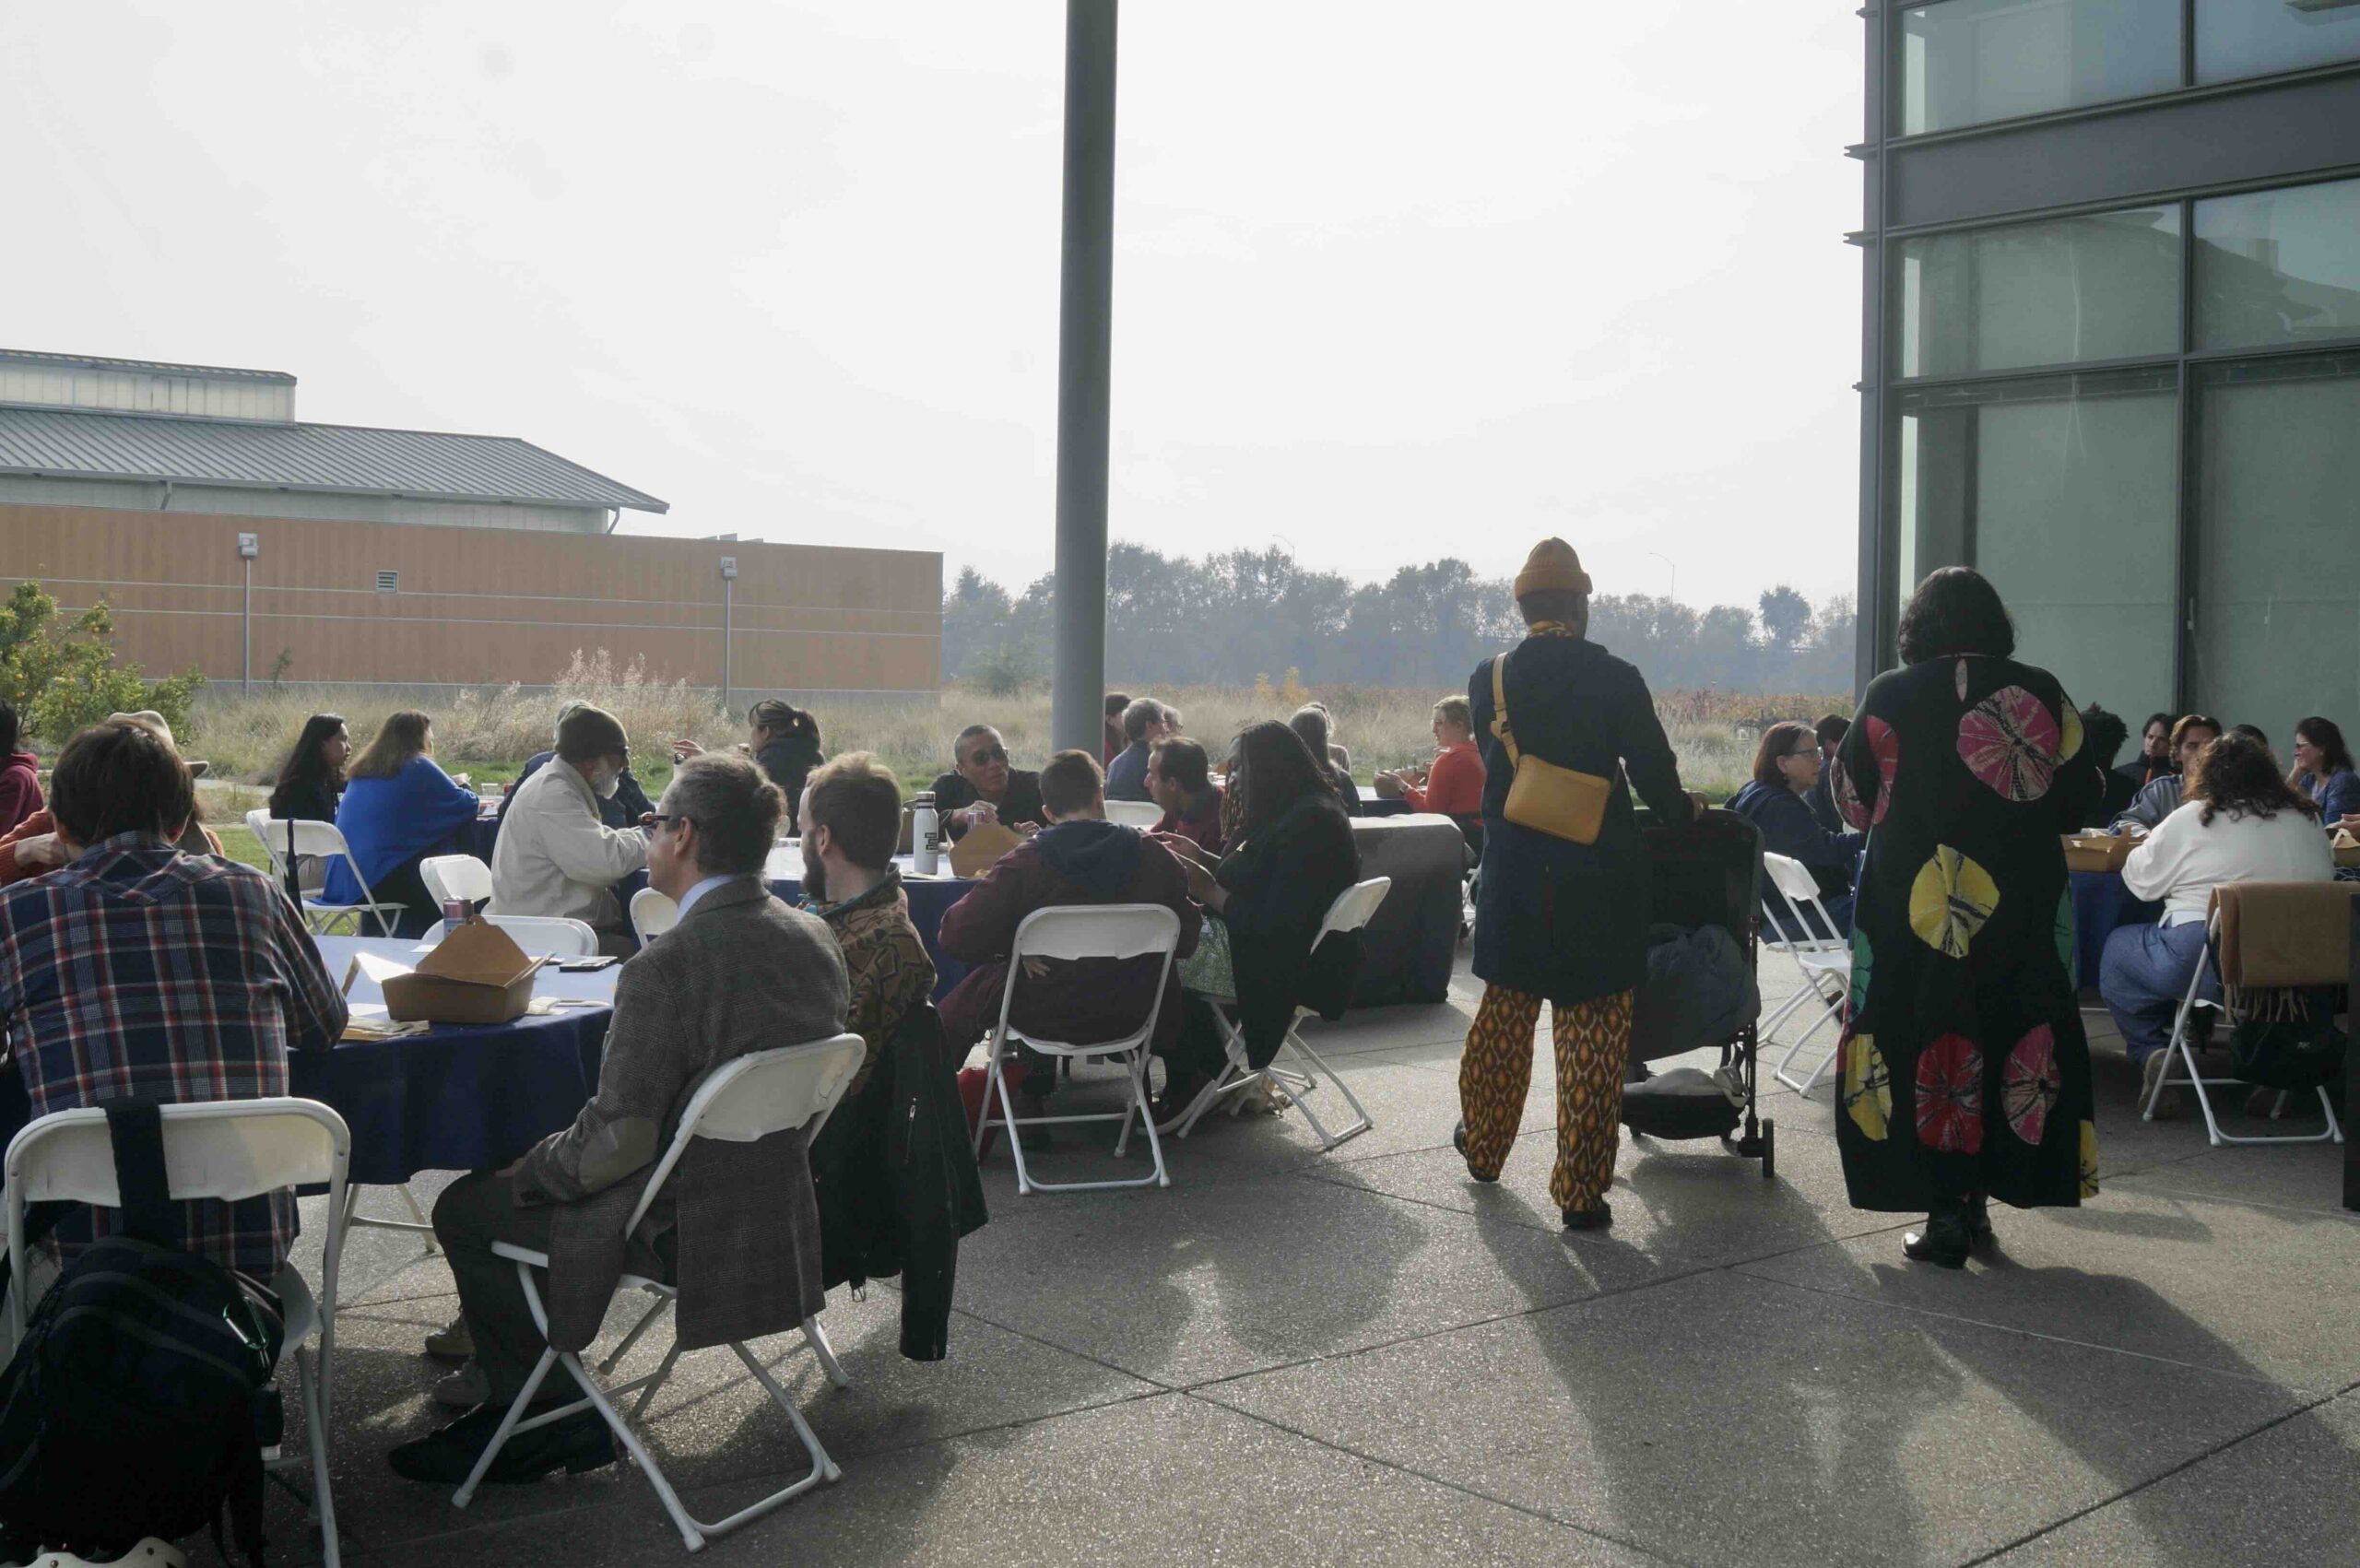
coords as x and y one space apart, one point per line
728 605
249 546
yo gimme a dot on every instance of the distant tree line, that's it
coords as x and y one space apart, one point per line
1225 619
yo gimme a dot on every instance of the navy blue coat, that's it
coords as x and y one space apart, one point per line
1563 920
1788 829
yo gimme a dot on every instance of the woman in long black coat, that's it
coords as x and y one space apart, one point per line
1557 920
1964 1068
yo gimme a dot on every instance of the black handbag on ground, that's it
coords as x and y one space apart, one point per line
142 1394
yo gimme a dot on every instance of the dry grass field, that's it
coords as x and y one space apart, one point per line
488 734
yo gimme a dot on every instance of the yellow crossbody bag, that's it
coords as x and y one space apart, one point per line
1561 802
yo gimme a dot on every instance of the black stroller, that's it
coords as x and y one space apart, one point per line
1708 873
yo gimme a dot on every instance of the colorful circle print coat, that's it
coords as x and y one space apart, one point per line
1963 1066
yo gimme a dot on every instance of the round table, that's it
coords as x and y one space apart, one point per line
930 899
2100 904
458 1097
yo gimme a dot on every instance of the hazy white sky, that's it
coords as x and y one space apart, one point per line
1391 280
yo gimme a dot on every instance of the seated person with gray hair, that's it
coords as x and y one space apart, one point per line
738 1228
984 787
1145 722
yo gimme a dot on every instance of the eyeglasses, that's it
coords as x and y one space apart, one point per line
661 820
988 755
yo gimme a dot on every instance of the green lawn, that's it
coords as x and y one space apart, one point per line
242 845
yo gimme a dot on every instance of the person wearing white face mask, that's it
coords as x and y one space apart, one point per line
555 857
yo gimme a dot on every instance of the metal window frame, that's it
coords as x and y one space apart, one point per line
1879 593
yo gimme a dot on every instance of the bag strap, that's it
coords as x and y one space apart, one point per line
1500 729
136 1128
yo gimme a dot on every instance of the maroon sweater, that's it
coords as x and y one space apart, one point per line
20 789
1085 1000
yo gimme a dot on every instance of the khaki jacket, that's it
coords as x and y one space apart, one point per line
555 857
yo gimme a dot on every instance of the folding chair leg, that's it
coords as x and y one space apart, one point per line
817 1338
315 1432
466 1491
1360 1122
1780 1071
655 1380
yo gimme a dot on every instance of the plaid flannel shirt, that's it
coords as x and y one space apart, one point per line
140 971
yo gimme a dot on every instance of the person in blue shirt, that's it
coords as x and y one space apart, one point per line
2323 770
1786 766
398 807
1145 722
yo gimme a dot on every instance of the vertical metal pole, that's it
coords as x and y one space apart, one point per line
728 606
1085 315
246 633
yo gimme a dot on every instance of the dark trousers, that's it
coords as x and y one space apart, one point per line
473 1212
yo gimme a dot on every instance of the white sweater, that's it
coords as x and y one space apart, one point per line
2182 861
556 857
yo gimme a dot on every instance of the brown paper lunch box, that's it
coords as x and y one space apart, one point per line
2097 854
477 974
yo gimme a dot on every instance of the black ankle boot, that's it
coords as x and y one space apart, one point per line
1458 1141
1944 1240
1597 1217
1979 1222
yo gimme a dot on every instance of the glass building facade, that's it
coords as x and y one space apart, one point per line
2111 356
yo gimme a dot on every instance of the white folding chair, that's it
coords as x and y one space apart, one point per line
551 934
289 839
2331 898
1354 909
258 822
742 1101
1134 813
449 876
215 1148
1791 905
652 914
1070 932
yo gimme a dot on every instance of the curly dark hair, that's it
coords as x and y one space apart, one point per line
2105 733
1955 610
2239 776
1269 770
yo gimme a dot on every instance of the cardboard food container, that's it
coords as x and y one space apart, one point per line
2347 848
477 974
981 848
2097 854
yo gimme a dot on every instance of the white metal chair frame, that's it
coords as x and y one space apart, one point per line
1816 958
2183 1046
1354 909
1072 932
297 836
561 935
1134 813
449 876
652 914
742 1101
215 1148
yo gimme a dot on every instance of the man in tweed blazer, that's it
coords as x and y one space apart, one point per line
735 1226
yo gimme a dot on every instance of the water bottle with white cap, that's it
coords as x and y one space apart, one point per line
926 834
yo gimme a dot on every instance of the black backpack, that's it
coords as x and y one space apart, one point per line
141 1398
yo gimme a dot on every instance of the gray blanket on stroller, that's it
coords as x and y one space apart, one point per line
1700 991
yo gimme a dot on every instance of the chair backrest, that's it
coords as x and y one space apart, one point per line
1096 930
1792 878
547 934
449 876
761 1093
653 914
1797 921
213 1149
1353 908
1134 813
2275 935
258 824
310 836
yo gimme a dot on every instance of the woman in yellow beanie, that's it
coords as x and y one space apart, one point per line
1557 919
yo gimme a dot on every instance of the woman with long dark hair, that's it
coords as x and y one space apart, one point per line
1965 1072
312 780
1289 853
398 807
2240 822
2323 770
784 741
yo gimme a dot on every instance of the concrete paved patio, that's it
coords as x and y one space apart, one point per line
1291 1356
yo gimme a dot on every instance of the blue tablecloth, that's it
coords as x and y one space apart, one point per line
2100 904
930 899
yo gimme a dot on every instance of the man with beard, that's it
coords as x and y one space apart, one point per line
852 816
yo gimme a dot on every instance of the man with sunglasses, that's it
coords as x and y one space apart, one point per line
985 788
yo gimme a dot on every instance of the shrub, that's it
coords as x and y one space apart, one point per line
62 679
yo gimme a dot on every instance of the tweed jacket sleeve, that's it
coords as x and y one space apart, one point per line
647 1063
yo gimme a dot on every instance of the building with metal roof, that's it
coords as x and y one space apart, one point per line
136 434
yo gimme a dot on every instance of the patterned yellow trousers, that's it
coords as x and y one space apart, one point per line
1593 1041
